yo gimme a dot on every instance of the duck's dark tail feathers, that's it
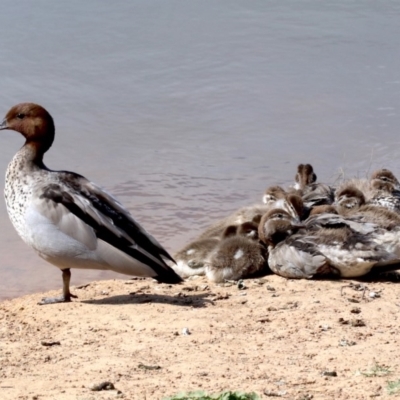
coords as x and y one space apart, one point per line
382 267
170 276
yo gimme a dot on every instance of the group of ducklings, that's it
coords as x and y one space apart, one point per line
308 231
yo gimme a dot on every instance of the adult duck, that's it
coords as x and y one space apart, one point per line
326 245
68 220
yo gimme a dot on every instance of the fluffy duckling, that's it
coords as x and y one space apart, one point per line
273 194
292 203
350 202
194 257
68 220
304 177
384 179
312 193
382 184
191 259
239 255
385 190
348 198
327 246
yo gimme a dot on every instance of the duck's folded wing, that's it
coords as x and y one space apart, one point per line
334 221
108 219
298 259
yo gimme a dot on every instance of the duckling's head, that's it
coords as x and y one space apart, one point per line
248 229
272 194
276 225
349 197
295 205
305 176
385 180
33 122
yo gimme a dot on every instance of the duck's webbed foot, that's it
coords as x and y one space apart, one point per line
66 296
53 300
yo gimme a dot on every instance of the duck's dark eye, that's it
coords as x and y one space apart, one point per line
20 115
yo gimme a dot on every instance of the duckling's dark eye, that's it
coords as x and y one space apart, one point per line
20 115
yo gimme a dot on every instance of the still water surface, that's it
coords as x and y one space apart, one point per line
188 110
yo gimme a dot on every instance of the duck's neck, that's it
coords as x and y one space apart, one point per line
31 154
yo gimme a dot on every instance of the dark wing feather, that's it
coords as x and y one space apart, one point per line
110 221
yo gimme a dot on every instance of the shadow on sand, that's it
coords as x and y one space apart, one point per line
195 300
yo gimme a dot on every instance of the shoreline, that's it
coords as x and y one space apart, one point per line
286 338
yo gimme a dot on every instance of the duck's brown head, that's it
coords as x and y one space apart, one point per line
33 122
276 225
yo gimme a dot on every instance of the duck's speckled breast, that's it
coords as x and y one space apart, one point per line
21 179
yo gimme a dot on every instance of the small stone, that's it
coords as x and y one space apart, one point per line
344 343
351 300
102 386
355 310
270 288
329 373
50 343
270 393
357 322
149 367
241 285
186 332
324 327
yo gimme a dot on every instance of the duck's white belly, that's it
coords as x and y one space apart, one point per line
38 231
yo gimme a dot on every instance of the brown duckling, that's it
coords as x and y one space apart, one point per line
239 255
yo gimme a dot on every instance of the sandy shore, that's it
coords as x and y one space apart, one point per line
279 338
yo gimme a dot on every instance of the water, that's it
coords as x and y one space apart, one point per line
188 110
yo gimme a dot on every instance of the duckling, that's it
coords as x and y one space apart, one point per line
191 259
237 256
292 203
380 185
304 177
68 220
312 193
348 198
273 194
350 202
324 246
385 190
384 179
